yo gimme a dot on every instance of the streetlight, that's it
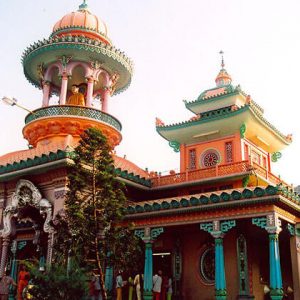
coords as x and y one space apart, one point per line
14 101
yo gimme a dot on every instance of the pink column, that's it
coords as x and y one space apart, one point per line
46 93
63 91
90 90
105 94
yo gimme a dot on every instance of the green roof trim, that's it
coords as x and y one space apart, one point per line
81 43
221 114
60 154
24 164
213 198
230 90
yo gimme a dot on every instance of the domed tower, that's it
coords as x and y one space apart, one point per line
79 64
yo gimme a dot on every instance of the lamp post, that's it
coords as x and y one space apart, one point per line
14 102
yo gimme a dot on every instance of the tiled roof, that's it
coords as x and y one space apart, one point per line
25 158
17 156
130 167
224 196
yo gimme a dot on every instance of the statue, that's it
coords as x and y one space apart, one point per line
76 98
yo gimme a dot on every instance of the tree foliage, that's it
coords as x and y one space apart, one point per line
95 208
56 284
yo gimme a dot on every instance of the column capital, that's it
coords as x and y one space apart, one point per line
148 235
271 223
218 228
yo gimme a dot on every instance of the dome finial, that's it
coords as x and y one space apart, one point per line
222 62
83 6
223 77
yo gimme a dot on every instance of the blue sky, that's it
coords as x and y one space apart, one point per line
174 45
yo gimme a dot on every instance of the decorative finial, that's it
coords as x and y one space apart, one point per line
83 6
222 63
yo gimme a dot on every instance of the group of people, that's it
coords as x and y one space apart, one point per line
6 281
162 287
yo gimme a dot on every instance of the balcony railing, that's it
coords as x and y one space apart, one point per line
201 174
262 172
214 172
72 110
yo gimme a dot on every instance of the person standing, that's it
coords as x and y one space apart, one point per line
138 282
119 285
130 288
5 282
169 289
157 281
23 279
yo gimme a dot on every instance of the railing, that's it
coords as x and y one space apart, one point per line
218 171
72 110
259 170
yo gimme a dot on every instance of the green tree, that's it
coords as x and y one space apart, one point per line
56 284
95 209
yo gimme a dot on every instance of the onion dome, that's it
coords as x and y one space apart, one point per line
81 22
223 77
78 37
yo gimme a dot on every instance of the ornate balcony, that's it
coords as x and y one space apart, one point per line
72 110
226 170
63 120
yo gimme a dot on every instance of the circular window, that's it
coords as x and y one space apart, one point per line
210 158
207 265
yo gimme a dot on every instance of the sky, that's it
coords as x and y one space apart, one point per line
175 46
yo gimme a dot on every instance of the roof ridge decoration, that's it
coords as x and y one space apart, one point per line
225 196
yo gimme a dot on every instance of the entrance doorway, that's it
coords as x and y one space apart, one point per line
162 261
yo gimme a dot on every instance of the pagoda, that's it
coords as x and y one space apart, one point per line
224 227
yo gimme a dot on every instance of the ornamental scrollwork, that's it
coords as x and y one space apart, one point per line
155 232
276 156
26 194
243 130
175 145
227 225
260 222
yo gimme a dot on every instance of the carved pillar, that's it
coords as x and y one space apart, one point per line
218 229
295 257
13 271
46 93
49 250
5 245
272 224
63 91
148 236
90 91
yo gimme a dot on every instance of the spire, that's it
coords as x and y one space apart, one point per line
83 6
223 77
222 62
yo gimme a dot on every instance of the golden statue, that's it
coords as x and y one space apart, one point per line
76 98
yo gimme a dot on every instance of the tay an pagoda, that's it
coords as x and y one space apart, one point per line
224 227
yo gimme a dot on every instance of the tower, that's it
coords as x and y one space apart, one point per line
228 136
77 54
80 66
